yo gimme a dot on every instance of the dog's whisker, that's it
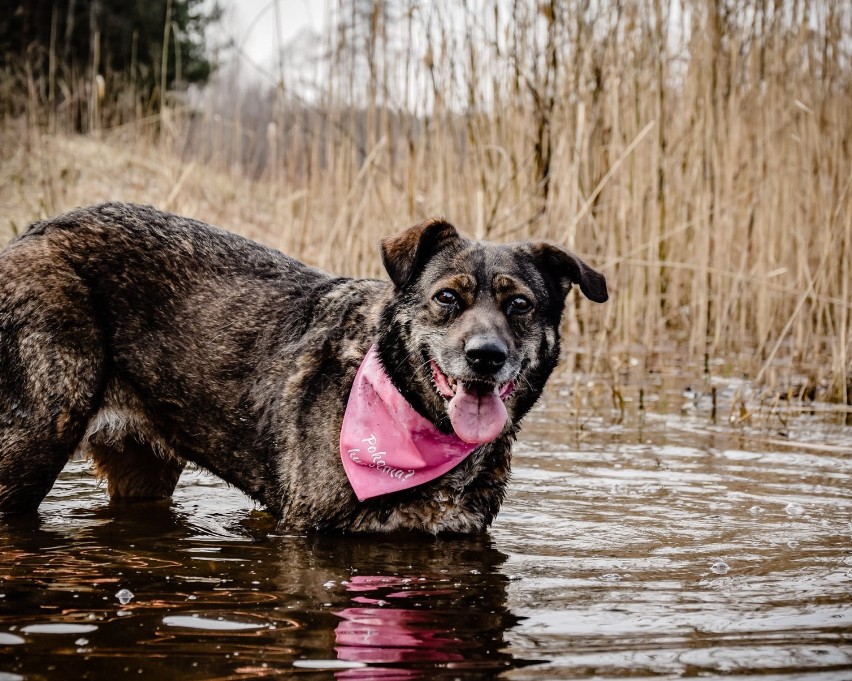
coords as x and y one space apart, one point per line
402 362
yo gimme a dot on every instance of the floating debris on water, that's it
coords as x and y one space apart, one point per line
59 628
328 664
220 624
10 639
720 567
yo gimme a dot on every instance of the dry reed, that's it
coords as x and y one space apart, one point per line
699 152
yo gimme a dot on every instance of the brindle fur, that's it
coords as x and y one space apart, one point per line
147 341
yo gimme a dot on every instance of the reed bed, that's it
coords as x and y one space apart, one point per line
700 153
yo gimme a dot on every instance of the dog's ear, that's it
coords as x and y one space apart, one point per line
405 252
566 269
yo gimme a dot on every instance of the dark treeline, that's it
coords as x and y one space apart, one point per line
59 45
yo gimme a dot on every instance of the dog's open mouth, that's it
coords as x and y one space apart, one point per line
475 408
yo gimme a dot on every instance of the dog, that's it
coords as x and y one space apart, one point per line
147 341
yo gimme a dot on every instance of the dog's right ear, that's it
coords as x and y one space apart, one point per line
405 252
567 269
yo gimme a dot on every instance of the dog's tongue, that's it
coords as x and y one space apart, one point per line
477 417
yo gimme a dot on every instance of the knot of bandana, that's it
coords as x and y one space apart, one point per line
385 445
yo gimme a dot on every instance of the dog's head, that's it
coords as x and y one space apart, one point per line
472 332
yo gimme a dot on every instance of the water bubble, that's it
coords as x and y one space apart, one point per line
612 577
329 584
474 571
124 596
754 510
81 641
792 543
794 509
720 567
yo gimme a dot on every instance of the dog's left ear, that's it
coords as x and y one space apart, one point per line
567 269
405 252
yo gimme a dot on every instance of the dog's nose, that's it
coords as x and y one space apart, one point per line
485 355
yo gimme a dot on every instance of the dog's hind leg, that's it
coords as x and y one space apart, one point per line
51 371
134 470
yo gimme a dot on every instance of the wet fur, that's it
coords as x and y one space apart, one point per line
147 341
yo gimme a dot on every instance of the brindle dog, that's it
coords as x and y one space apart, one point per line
147 341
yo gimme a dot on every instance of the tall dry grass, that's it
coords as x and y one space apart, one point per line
700 153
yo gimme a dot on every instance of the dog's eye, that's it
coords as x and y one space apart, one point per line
519 305
446 297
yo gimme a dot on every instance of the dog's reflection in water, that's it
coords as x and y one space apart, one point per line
412 605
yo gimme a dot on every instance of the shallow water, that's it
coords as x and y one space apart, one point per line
655 543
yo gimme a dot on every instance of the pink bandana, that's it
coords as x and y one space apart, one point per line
386 446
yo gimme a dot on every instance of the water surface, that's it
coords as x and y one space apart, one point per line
658 542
